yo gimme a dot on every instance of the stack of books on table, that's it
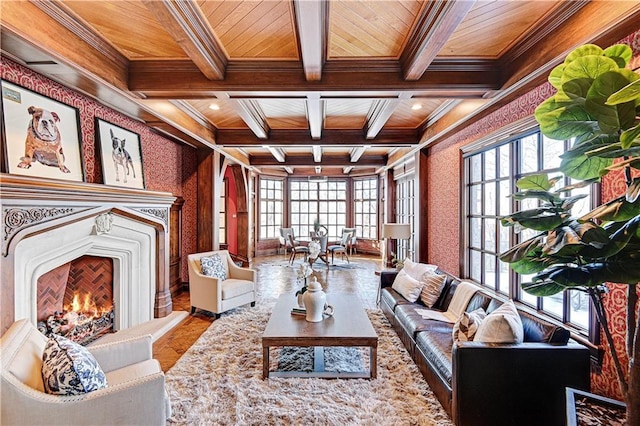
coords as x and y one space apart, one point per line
298 311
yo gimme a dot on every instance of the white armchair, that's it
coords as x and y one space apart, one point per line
214 294
135 393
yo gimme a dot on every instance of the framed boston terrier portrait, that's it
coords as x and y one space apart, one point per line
41 137
120 154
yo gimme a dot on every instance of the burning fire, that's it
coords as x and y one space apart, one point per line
85 304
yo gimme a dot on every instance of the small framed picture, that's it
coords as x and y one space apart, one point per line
121 155
41 137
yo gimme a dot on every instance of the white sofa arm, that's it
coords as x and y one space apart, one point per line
119 354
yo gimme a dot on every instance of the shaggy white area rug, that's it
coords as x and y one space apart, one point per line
218 381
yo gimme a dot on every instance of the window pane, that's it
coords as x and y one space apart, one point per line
579 308
529 159
492 175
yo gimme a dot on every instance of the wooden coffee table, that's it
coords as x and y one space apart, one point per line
349 326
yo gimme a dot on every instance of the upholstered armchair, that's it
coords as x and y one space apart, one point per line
135 392
224 286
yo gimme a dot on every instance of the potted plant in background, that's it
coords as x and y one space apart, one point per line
597 104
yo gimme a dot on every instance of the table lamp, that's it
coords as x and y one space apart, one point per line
396 231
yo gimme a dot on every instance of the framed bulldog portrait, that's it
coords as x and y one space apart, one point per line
120 154
41 137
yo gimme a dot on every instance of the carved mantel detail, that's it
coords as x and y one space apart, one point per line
15 219
162 214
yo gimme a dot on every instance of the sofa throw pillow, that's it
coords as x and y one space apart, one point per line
212 266
69 368
501 326
407 286
432 285
416 270
464 330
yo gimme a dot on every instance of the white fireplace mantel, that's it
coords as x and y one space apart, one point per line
47 223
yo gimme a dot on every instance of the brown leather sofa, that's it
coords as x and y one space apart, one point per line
489 384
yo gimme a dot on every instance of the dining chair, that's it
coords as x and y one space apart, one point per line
341 247
296 248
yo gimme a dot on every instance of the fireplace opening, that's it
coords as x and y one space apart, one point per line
75 300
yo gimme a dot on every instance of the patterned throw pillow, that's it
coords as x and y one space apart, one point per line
431 288
69 368
464 330
213 267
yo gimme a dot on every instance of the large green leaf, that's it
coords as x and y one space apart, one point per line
584 50
588 66
564 120
537 219
621 53
628 93
630 137
519 251
583 167
542 288
556 75
539 182
615 272
574 276
617 210
618 241
611 118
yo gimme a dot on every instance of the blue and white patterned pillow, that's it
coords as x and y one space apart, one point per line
213 267
69 368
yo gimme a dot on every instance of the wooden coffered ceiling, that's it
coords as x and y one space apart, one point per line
286 86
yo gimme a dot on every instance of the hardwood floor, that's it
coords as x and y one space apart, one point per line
274 277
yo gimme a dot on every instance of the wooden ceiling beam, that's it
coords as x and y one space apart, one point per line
437 21
311 20
251 114
181 79
386 137
327 161
51 28
315 114
186 23
380 113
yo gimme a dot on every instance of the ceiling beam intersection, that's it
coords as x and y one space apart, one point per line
186 23
436 24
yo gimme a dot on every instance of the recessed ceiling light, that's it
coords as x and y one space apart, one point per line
214 107
416 107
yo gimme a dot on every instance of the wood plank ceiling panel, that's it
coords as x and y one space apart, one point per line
284 113
250 29
224 118
130 27
404 117
346 113
491 28
370 29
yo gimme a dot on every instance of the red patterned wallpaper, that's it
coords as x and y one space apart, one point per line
168 166
443 194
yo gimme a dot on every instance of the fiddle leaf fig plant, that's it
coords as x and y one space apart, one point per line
597 107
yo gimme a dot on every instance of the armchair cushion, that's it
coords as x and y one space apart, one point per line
235 287
69 368
213 266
